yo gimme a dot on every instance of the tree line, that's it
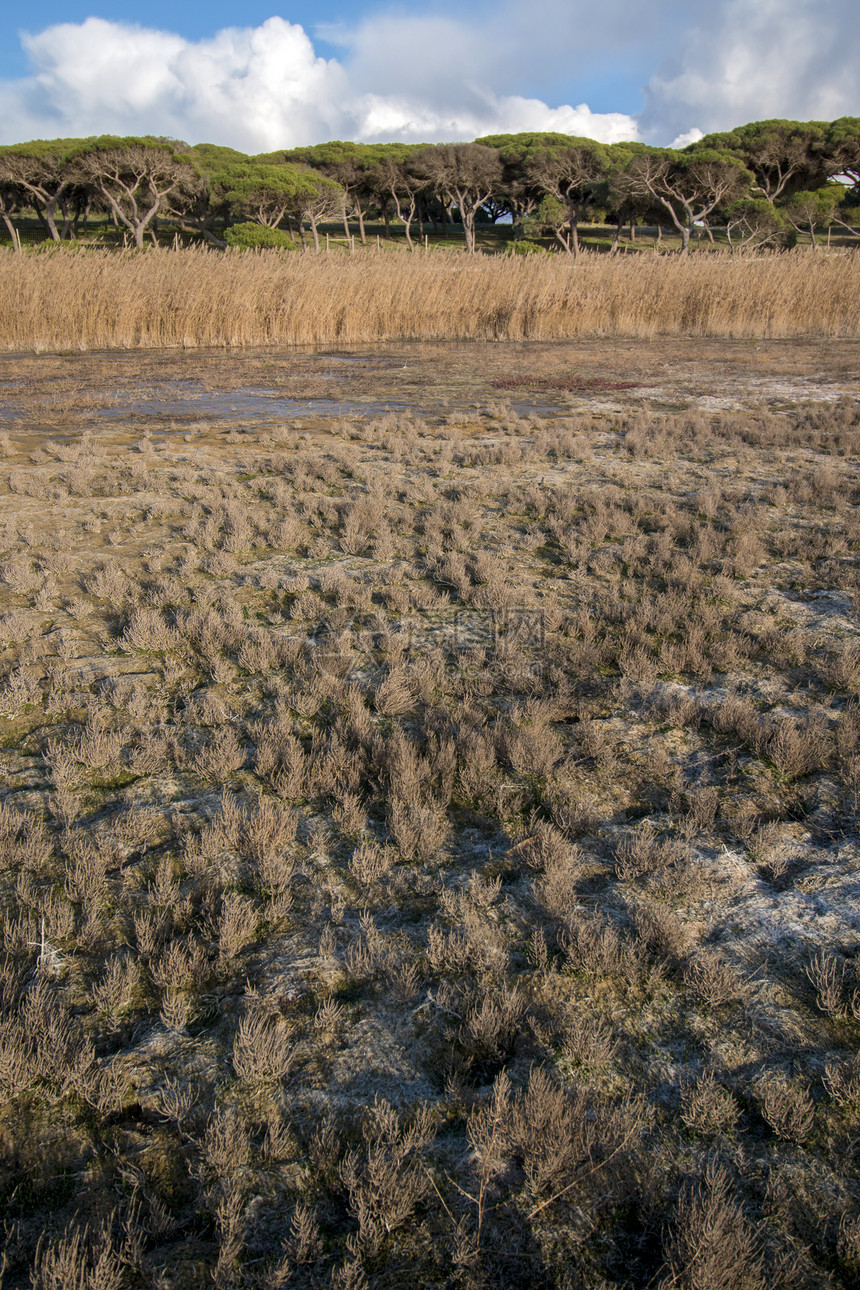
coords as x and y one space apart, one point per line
761 184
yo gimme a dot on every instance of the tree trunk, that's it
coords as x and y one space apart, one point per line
407 222
360 213
50 211
13 232
685 239
68 222
345 223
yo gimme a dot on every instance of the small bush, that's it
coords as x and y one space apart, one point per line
526 247
255 237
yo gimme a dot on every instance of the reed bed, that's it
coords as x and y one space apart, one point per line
93 299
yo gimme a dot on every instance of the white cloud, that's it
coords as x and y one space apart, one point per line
433 76
750 60
688 137
256 89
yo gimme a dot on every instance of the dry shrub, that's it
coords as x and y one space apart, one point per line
349 815
85 873
219 757
178 1009
478 769
146 630
419 829
151 928
714 980
842 1082
95 747
827 973
83 1258
393 695
707 1107
533 750
492 1022
225 1153
175 965
280 759
114 993
266 831
848 1242
237 925
702 812
556 891
264 1049
841 668
598 948
24 840
304 1244
359 523
796 749
385 1178
589 1044
712 1245
449 951
787 1107
551 1132
369 862
767 847
643 852
660 929
550 1129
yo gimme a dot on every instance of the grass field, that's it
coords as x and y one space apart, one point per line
87 299
429 815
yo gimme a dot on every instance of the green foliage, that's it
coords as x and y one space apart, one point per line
783 156
212 157
809 211
526 247
250 236
551 217
268 193
843 146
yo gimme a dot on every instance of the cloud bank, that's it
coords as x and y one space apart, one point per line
432 77
752 60
251 88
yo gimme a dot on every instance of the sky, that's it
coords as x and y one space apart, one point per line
296 72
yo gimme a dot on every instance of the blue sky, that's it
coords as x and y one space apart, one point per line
305 72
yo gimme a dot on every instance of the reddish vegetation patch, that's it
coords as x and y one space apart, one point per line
569 383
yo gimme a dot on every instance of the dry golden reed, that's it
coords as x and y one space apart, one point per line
106 300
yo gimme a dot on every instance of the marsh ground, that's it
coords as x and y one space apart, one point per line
429 822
